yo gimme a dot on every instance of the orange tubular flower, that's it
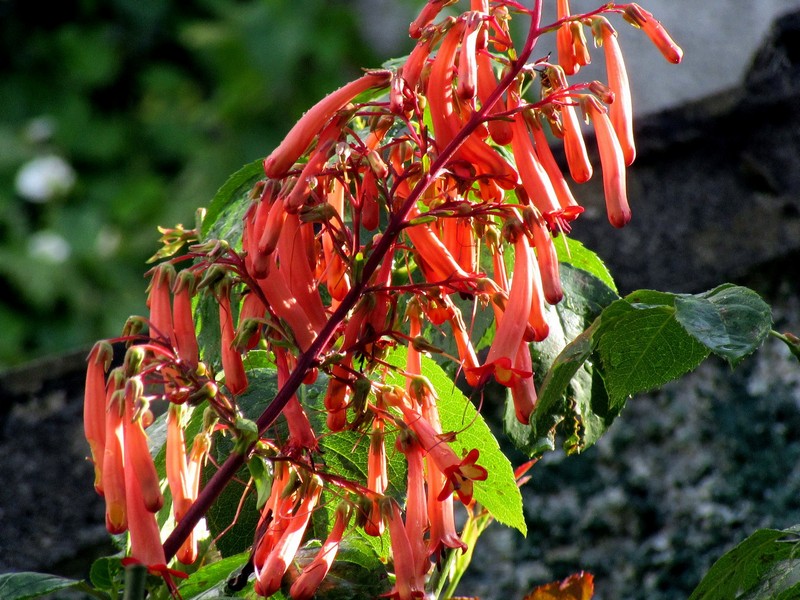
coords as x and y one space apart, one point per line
499 129
570 209
639 17
416 504
612 162
503 350
621 110
306 585
467 57
146 545
377 477
459 473
158 301
523 390
235 376
439 90
547 259
534 178
301 434
297 272
94 407
137 452
114 455
574 147
426 16
282 553
308 126
408 584
182 318
564 41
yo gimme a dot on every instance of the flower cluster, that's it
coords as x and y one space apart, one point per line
390 204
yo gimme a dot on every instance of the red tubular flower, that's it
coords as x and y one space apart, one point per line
412 68
158 301
534 178
306 585
114 455
308 126
574 147
94 407
252 309
268 236
235 376
523 389
301 434
426 16
639 17
145 538
564 41
277 561
499 129
439 89
137 452
547 259
621 110
408 584
183 320
297 272
536 318
459 473
443 532
187 553
467 57
416 503
612 162
570 209
509 334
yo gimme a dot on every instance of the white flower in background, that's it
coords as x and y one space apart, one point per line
49 246
44 178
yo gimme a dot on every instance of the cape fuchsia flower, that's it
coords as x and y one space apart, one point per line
137 452
416 502
620 111
306 585
182 318
303 132
499 128
408 583
564 40
159 303
612 162
94 407
426 16
114 454
301 434
639 17
235 376
270 574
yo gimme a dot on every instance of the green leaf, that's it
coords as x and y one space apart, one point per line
499 494
106 573
765 566
642 349
573 252
730 320
212 577
571 394
21 586
224 215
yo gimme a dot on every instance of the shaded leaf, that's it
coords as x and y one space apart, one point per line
765 566
642 349
107 573
574 253
21 586
730 320
213 577
224 215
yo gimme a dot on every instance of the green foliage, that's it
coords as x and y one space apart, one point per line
634 344
151 105
765 566
22 586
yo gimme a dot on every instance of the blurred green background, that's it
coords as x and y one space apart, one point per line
120 115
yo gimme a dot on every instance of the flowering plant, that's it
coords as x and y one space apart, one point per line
318 346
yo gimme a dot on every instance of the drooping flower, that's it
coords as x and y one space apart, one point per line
408 583
639 17
94 407
114 454
620 111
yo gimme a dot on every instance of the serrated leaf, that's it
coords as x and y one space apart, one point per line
574 253
25 585
642 349
765 566
570 392
499 494
730 320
